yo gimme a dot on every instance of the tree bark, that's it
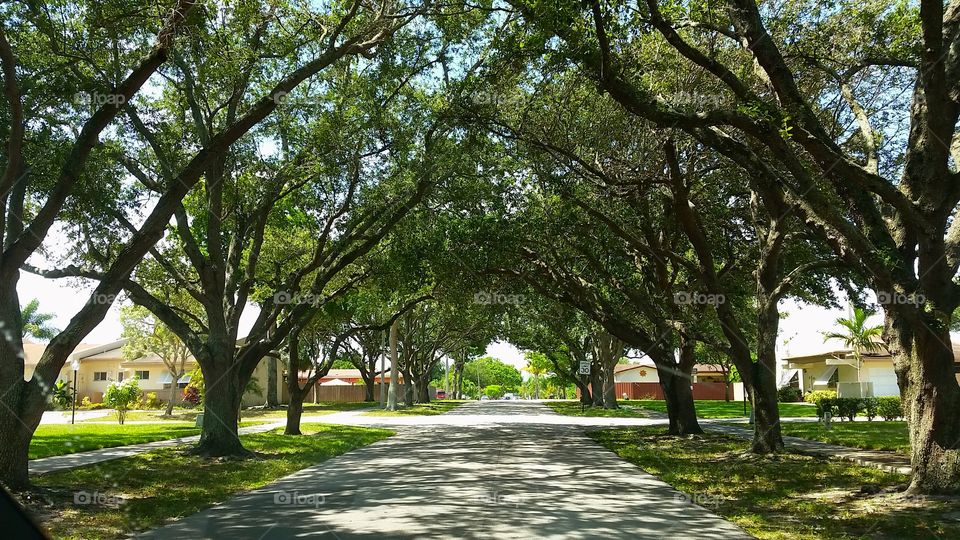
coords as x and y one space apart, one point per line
294 413
221 409
394 369
596 383
409 393
923 360
763 383
423 391
585 397
174 393
272 400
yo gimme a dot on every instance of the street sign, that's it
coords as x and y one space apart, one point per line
584 368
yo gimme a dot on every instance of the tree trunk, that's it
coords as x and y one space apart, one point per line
585 397
221 410
609 388
368 387
174 393
675 382
923 360
423 390
408 391
596 384
394 370
19 418
763 384
294 413
272 400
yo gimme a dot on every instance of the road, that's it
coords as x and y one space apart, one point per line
487 470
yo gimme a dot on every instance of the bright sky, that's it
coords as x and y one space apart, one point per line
800 330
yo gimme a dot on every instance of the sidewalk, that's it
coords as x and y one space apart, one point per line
880 459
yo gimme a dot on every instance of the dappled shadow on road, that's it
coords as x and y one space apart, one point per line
496 481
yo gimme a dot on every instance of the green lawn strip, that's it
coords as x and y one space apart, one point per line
190 415
874 435
573 408
59 439
420 409
727 409
143 491
786 496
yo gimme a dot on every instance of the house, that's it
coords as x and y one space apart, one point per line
640 380
100 365
837 370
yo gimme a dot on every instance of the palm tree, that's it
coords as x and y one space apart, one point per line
857 336
35 323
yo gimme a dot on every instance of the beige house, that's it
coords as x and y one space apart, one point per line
99 365
838 370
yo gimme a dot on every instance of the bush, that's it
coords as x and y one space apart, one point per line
494 391
151 401
789 394
869 407
889 408
847 407
121 396
191 396
823 399
61 395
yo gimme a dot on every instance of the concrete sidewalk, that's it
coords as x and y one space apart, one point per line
498 479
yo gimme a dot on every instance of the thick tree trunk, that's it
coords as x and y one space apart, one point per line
596 384
585 397
763 384
221 410
19 418
272 400
677 393
423 391
409 393
368 387
609 388
924 360
294 413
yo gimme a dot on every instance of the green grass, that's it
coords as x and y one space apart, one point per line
727 409
787 496
189 415
421 409
874 435
153 487
573 408
58 439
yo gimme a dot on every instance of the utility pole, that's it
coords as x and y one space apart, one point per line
394 369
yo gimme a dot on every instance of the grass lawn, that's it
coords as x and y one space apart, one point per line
572 408
435 407
787 496
727 409
58 439
143 491
874 435
190 415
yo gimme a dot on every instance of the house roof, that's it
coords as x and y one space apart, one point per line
845 353
701 368
33 351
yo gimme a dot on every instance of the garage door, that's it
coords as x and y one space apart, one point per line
884 381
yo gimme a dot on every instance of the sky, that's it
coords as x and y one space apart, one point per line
801 329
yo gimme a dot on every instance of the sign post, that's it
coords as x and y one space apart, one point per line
583 370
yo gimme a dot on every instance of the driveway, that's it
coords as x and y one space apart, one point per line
491 470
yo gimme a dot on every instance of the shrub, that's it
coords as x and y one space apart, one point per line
869 407
191 396
889 408
61 395
86 404
789 394
847 407
494 391
823 399
151 401
121 396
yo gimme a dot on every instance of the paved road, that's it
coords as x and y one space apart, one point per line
490 470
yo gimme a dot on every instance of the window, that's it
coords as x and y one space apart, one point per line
142 375
119 376
99 375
